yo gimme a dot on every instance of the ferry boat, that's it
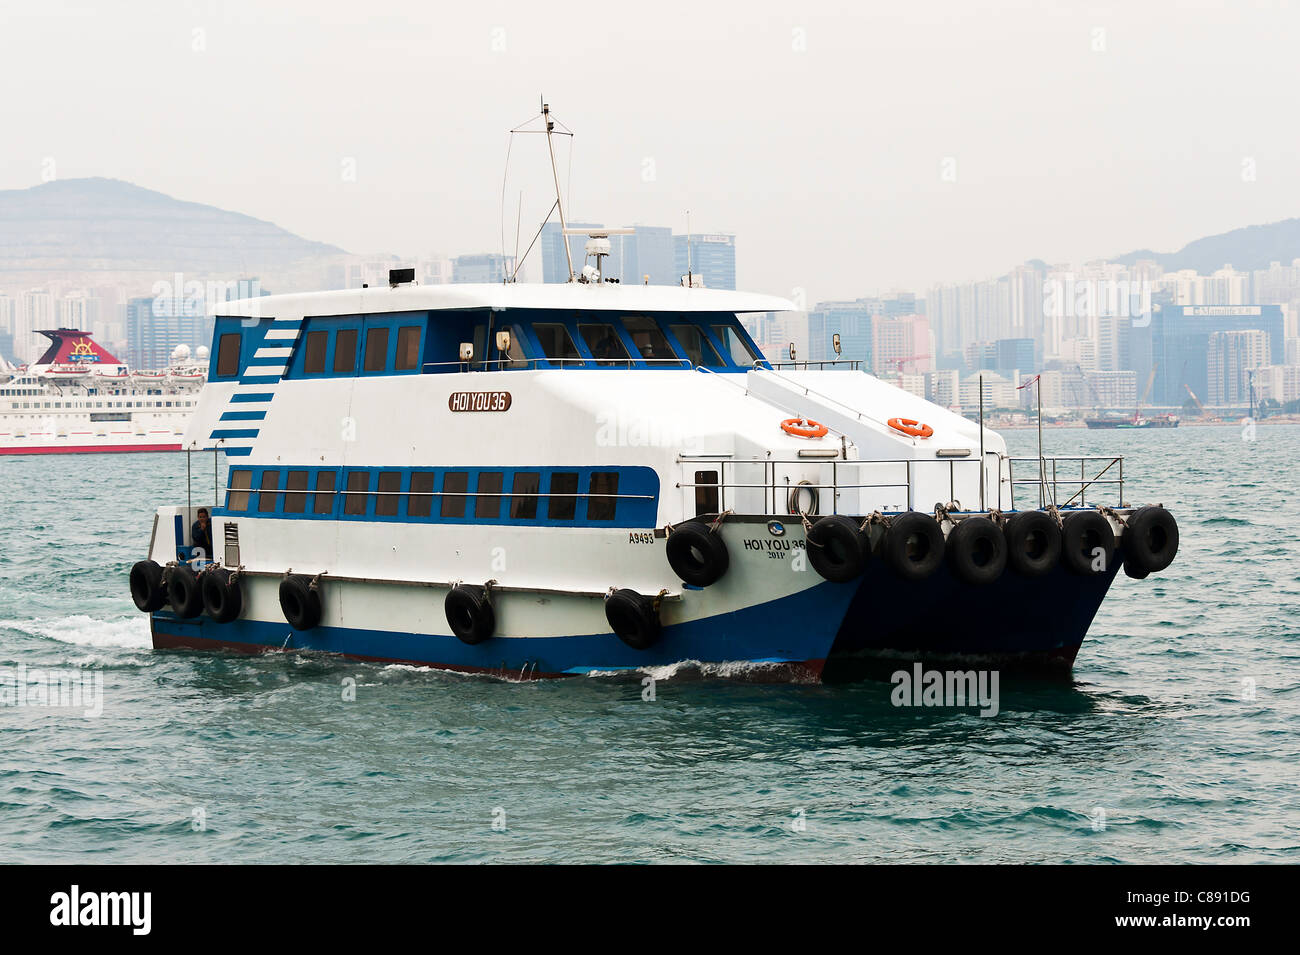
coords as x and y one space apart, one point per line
546 480
78 398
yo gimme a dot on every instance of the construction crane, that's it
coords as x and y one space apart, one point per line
1199 407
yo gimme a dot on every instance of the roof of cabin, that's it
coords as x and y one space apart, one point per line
573 296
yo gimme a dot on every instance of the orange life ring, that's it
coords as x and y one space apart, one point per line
909 427
804 428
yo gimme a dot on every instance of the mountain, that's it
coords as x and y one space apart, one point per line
1251 247
107 225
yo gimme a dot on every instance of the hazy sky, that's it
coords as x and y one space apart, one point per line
826 135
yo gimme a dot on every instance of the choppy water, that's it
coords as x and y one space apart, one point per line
201 757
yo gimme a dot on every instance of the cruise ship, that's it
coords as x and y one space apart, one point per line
546 480
78 398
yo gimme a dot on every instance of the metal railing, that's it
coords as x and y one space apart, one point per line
780 492
1048 479
851 364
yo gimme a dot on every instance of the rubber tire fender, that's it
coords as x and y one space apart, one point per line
184 592
1151 539
1082 533
147 589
696 554
977 551
1033 543
223 600
913 545
299 602
633 617
838 549
469 613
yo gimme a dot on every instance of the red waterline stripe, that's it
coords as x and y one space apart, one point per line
91 448
808 670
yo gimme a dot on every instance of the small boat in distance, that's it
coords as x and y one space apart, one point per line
1136 421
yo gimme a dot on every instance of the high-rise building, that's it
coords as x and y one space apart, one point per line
852 321
1180 342
712 256
646 256
1015 354
901 345
1233 356
156 325
488 268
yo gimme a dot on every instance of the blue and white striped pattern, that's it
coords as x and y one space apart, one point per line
252 396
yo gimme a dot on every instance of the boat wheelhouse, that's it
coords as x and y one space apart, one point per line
540 480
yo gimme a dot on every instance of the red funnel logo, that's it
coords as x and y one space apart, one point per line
69 346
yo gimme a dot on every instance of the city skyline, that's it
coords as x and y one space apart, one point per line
847 178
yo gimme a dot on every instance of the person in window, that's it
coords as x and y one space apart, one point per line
201 535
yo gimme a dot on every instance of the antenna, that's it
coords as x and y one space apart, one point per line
689 279
559 205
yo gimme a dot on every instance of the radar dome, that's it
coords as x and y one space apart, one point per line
202 353
180 353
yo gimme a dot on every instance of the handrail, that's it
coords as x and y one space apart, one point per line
770 485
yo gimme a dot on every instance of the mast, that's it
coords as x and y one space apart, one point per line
550 126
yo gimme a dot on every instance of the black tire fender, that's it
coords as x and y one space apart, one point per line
1083 533
299 601
977 550
147 590
1033 543
838 549
469 613
913 545
634 618
183 591
223 599
696 554
1150 539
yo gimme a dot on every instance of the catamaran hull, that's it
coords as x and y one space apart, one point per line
828 632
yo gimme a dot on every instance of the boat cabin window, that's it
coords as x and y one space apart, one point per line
562 505
323 499
735 344
697 346
266 496
487 502
601 502
390 485
454 486
419 503
604 344
295 501
648 338
228 355
345 351
376 349
240 482
523 505
314 352
354 500
408 347
556 343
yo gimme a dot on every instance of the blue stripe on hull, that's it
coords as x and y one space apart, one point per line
793 629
